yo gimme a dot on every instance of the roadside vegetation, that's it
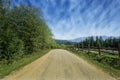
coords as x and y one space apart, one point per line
103 53
16 65
23 32
102 65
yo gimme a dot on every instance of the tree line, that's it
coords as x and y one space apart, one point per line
22 31
110 43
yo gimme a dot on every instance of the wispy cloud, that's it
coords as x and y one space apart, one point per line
70 19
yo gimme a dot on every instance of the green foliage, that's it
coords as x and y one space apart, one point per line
110 43
98 43
6 69
22 31
108 64
11 46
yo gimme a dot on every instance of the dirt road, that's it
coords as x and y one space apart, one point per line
59 65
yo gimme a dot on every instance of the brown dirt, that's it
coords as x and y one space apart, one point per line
59 65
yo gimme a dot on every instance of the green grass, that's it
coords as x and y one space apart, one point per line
108 55
107 68
95 52
105 54
6 69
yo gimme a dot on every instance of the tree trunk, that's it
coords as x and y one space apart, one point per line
119 54
88 47
82 45
119 50
78 46
99 51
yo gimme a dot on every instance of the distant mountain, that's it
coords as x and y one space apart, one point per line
61 41
73 41
78 39
83 38
67 42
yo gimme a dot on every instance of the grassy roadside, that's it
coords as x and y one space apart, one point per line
6 69
105 54
112 71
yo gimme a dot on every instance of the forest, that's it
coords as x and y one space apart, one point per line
104 51
111 43
23 30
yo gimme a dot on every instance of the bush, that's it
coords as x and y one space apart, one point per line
11 47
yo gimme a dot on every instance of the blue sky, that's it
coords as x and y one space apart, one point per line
69 19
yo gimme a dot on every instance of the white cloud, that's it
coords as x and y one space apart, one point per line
81 17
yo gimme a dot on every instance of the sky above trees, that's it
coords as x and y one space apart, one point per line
69 19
